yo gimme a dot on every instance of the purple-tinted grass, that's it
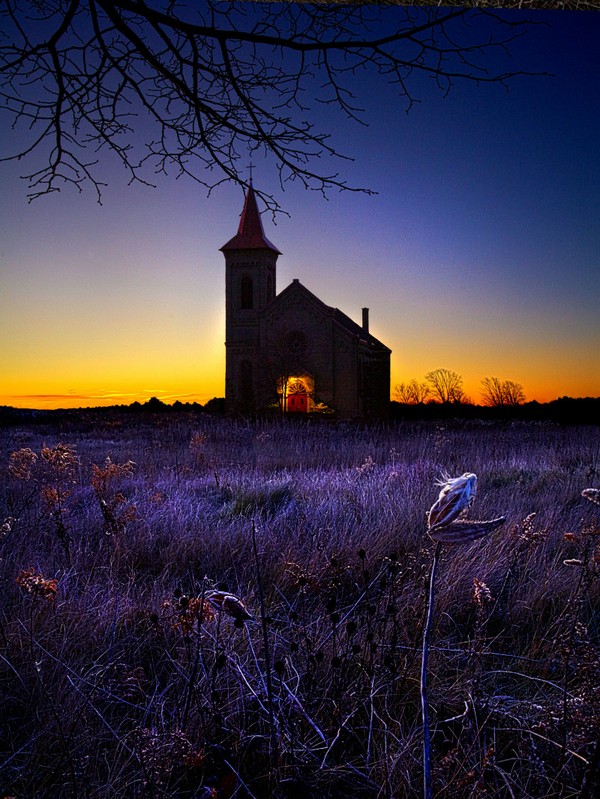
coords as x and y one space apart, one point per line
116 688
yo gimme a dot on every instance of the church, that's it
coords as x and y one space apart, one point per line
290 351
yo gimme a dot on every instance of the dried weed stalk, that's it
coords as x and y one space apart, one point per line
446 526
117 512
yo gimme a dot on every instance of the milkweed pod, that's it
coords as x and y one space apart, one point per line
456 496
593 494
229 604
465 531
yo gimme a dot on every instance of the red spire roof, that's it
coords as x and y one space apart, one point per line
250 235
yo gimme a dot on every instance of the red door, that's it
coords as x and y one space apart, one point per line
297 403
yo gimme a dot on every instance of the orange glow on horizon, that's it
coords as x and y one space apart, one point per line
73 401
195 374
208 390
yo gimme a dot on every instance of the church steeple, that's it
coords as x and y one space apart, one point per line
250 235
250 277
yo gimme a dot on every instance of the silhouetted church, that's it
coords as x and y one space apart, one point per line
290 350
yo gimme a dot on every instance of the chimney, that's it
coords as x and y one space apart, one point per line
365 312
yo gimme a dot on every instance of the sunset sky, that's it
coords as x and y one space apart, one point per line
479 253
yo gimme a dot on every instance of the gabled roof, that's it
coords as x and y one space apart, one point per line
250 235
296 287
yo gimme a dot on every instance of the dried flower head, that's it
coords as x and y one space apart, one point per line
198 440
103 476
160 752
196 758
593 494
229 604
366 466
529 533
34 583
51 497
481 593
456 497
303 578
62 460
187 611
21 463
7 526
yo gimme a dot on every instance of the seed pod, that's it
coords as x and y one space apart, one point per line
455 498
463 532
229 604
593 494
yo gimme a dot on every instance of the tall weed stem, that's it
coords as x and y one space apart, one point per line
424 658
268 673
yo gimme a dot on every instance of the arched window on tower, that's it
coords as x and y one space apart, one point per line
246 293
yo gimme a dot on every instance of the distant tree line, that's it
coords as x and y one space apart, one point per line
565 410
446 386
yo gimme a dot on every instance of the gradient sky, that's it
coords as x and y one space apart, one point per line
479 253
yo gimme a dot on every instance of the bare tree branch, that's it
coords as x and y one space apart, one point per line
446 385
196 87
497 393
412 393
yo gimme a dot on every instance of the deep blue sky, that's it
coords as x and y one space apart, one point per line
479 253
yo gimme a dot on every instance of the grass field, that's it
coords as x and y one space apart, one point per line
119 678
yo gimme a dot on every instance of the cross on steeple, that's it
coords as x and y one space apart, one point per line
251 167
250 235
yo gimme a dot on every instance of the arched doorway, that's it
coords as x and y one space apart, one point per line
296 396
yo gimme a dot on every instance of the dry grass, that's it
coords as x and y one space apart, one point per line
122 678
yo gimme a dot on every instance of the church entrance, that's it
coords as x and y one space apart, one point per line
296 396
297 403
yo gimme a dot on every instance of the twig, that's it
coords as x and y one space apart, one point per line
268 676
548 740
424 658
298 704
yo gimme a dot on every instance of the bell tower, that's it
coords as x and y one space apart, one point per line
250 274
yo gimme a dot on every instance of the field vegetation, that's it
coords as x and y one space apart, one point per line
127 671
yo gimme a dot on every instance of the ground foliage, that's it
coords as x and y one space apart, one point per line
120 677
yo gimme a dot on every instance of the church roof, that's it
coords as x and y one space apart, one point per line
250 235
339 316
